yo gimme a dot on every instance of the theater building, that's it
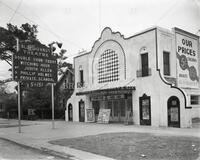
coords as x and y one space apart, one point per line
154 74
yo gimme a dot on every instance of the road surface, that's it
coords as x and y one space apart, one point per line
12 151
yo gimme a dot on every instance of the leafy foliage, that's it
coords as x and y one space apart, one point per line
38 98
11 103
8 39
62 64
35 98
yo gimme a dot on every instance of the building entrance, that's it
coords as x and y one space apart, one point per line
81 111
173 112
70 112
96 107
119 105
118 108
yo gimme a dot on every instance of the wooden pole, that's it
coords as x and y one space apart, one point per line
19 108
19 96
52 102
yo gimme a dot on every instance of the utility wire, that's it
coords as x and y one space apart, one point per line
48 30
167 12
51 31
18 12
15 10
99 5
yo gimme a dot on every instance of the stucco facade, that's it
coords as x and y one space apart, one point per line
128 74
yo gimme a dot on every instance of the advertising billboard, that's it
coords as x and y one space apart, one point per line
187 60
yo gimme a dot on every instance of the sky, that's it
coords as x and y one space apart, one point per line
78 23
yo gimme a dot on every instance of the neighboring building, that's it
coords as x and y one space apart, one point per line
154 74
64 88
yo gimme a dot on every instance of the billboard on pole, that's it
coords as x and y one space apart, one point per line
34 65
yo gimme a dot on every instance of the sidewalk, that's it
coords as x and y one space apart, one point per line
36 134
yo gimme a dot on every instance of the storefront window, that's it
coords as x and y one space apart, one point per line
129 104
116 108
110 107
96 106
122 107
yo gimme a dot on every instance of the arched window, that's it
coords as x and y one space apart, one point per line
108 67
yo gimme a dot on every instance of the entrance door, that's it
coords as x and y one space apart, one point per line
70 112
145 110
81 111
96 107
116 116
173 105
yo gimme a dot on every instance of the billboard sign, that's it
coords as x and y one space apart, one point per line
187 60
34 65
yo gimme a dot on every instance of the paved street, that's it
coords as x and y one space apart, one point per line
12 151
37 134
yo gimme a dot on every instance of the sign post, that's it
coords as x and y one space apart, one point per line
19 95
52 103
34 65
19 107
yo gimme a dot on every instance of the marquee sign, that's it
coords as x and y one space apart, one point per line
34 65
187 60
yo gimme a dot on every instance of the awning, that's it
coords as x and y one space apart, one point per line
108 91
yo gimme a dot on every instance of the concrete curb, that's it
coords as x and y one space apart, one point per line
54 150
42 149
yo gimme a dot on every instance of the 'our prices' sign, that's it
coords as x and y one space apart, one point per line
187 61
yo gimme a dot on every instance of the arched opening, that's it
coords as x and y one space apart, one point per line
173 106
109 63
81 111
70 112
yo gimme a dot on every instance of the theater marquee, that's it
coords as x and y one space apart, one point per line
187 59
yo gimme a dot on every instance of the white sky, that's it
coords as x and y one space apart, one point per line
78 23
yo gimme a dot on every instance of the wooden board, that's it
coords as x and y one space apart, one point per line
90 115
104 115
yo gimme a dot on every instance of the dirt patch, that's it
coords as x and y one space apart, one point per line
129 146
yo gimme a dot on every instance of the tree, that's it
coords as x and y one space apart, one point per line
37 98
9 100
8 39
26 32
3 87
62 64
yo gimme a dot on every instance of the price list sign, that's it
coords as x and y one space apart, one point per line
34 65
